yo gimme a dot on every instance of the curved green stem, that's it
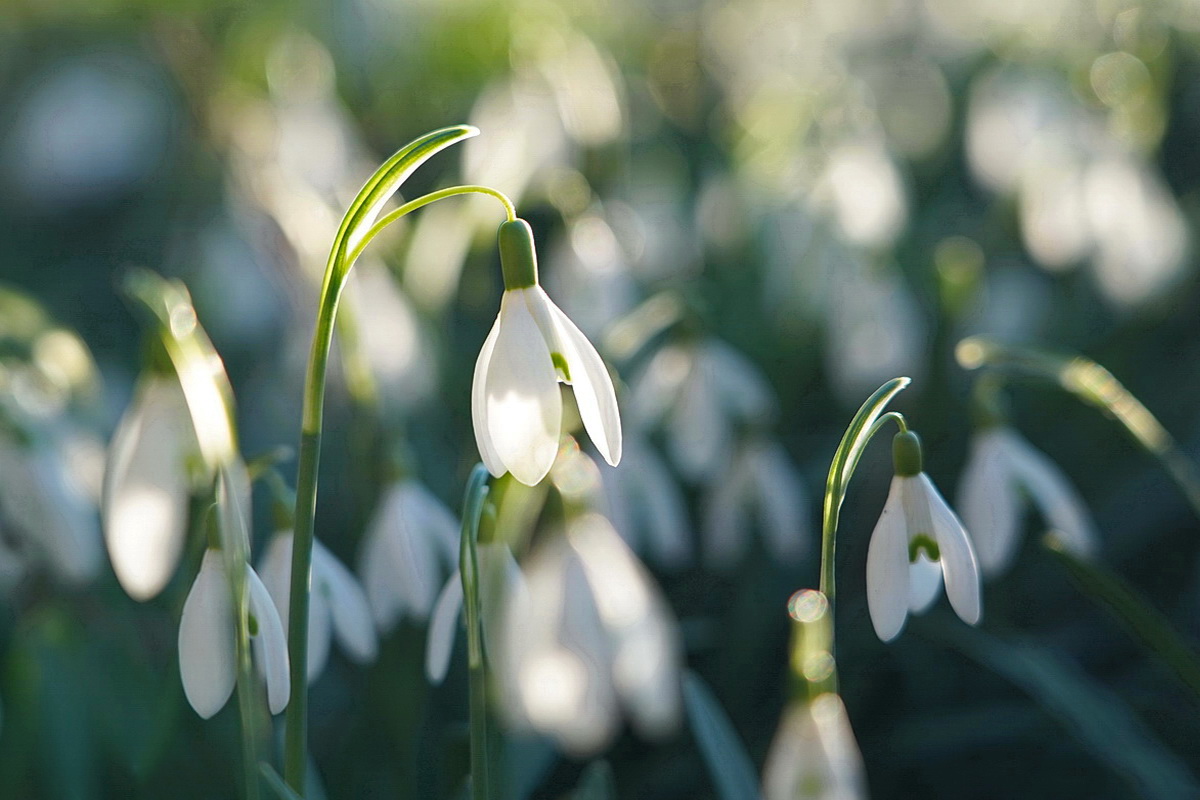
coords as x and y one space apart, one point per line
468 566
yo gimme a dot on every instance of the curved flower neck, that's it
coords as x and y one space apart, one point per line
518 258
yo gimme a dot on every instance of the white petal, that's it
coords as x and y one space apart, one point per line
990 502
667 530
698 433
594 393
146 488
379 581
443 629
959 566
206 639
1055 498
270 645
782 501
887 566
499 577
479 404
924 583
275 571
524 408
437 523
727 518
814 754
320 632
349 610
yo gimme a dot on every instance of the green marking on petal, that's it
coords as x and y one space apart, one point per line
922 542
252 624
560 364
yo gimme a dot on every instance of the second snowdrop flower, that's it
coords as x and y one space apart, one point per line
917 543
515 403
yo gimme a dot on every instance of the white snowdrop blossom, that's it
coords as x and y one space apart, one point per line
700 391
917 543
814 754
499 577
146 487
762 483
411 544
208 639
644 502
516 406
1003 473
590 637
337 605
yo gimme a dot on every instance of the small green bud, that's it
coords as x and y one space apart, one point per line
906 454
518 258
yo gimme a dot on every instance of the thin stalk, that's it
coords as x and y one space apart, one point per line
340 263
468 566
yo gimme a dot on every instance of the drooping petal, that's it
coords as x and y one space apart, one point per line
887 566
782 501
206 639
959 565
499 578
146 488
660 511
275 571
699 438
726 519
522 401
483 442
443 628
1056 500
379 580
990 502
924 583
348 607
594 393
814 754
269 642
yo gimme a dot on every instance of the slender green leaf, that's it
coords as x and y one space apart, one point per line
730 767
596 783
275 783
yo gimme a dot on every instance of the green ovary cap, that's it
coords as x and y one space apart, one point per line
518 258
906 454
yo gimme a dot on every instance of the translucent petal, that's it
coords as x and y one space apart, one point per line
887 566
523 406
667 529
726 519
1055 498
594 393
479 404
990 503
348 607
699 439
924 583
379 581
206 639
443 629
499 577
270 644
815 755
959 566
782 501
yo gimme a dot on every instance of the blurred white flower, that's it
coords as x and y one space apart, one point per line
208 639
499 577
762 484
646 506
814 755
515 401
703 390
917 542
591 636
1002 474
146 487
337 605
411 542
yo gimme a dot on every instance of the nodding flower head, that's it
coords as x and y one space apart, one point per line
917 543
515 403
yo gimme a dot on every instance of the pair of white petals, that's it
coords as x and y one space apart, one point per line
208 639
896 585
516 406
814 755
591 637
411 543
1003 470
337 605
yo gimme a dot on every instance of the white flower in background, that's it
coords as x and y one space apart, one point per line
592 636
814 754
701 391
515 402
337 605
1003 473
208 639
411 543
499 576
761 484
646 506
917 542
146 487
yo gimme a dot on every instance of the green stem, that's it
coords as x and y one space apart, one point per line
338 269
468 565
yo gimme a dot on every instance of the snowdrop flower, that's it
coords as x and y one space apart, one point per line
337 604
1002 474
146 487
208 639
499 577
917 542
700 391
515 403
646 506
411 542
814 754
591 636
762 482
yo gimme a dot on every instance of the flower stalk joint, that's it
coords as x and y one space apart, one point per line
906 454
518 258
